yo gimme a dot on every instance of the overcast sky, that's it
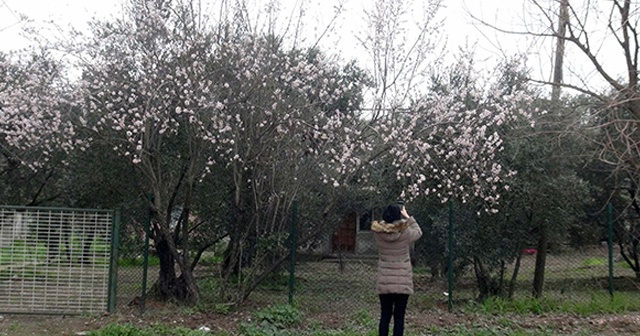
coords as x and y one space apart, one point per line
78 12
458 26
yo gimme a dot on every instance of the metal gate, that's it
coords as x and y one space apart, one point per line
57 261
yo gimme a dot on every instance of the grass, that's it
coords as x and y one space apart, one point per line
160 329
21 252
575 283
138 261
599 303
284 320
497 330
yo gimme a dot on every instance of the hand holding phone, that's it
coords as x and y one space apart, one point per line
403 212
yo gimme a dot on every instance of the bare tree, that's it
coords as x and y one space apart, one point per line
399 40
601 40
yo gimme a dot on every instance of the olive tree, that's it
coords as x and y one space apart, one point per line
182 100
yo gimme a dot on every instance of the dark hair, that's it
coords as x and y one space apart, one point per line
392 213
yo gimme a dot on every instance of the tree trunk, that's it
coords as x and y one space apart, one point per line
632 256
231 264
183 289
487 285
186 289
541 258
635 264
167 275
516 270
169 286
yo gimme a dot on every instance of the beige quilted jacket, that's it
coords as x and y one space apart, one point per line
395 274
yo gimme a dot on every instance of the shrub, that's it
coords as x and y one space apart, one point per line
281 316
272 321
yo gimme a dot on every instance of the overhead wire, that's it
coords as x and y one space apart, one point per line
18 20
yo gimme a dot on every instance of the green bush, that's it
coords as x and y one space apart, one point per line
281 316
273 321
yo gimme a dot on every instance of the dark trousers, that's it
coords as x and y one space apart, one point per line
392 305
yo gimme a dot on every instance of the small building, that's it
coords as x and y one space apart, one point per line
354 235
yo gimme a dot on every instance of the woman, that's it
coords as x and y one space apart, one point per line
394 283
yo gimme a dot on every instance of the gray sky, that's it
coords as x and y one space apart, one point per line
458 26
78 12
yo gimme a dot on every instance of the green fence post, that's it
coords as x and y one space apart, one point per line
145 262
294 242
113 263
610 244
450 261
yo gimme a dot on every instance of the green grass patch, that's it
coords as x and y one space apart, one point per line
597 303
138 261
594 262
623 264
28 272
277 282
130 330
211 259
498 330
363 318
21 252
421 270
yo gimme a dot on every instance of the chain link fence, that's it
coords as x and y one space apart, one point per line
138 268
460 258
58 260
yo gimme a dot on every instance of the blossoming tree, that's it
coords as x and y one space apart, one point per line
177 99
181 100
443 141
35 128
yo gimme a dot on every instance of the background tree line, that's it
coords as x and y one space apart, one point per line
218 124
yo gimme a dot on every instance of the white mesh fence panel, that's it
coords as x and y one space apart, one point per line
54 261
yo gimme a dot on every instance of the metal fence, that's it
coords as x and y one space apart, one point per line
56 261
347 285
134 277
339 277
342 282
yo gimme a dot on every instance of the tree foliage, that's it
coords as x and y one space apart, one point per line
225 126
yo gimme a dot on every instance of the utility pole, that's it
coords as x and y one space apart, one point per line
543 232
563 22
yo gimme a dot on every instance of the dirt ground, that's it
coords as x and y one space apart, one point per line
420 322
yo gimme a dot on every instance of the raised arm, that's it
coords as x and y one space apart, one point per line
413 230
